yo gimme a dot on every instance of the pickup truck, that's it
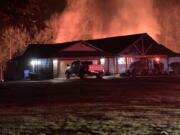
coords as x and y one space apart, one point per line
84 68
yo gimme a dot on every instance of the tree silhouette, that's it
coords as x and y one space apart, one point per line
13 42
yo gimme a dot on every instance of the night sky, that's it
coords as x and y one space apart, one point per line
28 12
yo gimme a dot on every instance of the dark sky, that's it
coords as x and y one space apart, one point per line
28 12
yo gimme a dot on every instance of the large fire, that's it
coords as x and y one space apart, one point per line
85 19
90 19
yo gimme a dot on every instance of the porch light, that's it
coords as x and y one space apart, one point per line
102 60
157 59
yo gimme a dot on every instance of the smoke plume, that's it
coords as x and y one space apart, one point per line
87 19
168 18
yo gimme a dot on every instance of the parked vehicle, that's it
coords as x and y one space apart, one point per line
84 68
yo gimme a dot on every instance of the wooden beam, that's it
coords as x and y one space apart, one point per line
108 65
137 49
126 63
114 65
133 44
117 65
146 51
168 64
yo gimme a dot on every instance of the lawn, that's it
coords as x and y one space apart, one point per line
137 106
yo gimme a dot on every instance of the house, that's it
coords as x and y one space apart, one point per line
48 61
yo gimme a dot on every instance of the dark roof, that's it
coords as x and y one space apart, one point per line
161 50
105 47
115 44
45 50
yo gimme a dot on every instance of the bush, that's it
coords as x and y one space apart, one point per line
175 67
124 75
107 73
139 67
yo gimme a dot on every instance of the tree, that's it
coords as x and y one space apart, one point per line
45 36
139 67
32 14
3 59
13 42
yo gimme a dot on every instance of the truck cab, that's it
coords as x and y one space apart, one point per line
84 68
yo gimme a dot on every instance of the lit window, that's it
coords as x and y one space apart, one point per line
121 60
55 61
102 60
35 62
38 62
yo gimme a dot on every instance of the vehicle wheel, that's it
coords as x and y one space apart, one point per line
99 76
81 76
67 75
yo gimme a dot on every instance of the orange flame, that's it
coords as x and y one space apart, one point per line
84 19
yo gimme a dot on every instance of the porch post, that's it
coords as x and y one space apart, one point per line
126 63
114 65
117 65
58 69
108 64
148 65
167 64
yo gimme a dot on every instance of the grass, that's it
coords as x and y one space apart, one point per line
113 107
89 120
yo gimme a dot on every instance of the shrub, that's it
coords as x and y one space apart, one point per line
175 67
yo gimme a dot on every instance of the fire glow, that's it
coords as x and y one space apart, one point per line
91 19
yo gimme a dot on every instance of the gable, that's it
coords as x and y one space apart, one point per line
131 50
79 47
142 46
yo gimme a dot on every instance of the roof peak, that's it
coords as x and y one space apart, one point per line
138 34
76 41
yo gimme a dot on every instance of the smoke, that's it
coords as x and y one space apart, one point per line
168 18
89 19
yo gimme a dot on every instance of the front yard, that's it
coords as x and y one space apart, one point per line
107 107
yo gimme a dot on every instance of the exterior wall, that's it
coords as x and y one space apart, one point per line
41 68
30 69
165 62
62 67
174 59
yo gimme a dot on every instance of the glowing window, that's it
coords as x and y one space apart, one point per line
35 62
121 60
55 62
102 60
